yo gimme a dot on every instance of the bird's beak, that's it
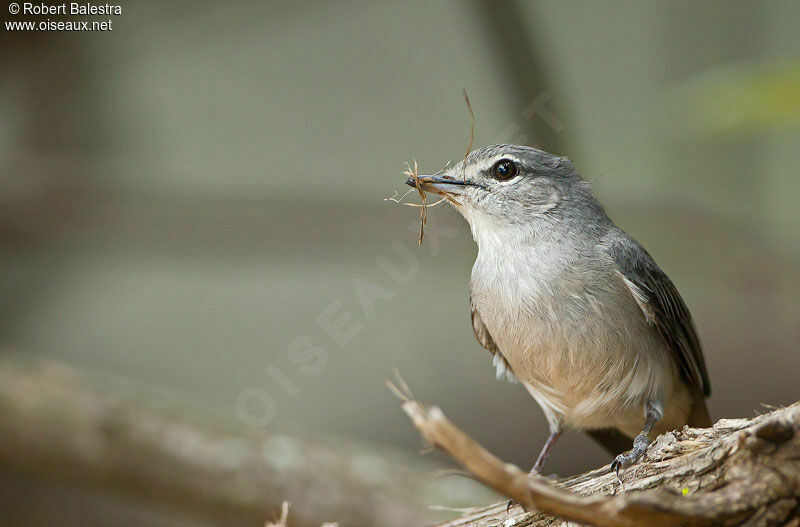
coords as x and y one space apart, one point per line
440 184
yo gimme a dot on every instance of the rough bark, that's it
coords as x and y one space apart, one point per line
738 472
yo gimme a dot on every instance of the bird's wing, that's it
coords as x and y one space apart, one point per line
481 332
502 366
663 308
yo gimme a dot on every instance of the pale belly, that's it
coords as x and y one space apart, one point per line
587 356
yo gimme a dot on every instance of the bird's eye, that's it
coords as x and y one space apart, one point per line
504 170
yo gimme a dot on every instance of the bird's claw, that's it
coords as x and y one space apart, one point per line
630 457
624 460
620 462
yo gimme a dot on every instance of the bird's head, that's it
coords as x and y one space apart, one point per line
509 188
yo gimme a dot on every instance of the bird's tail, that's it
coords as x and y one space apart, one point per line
614 441
698 415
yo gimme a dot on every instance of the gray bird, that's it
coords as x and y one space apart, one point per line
571 305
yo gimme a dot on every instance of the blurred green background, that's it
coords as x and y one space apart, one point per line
184 197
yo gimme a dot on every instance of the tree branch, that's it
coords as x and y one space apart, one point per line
739 472
106 434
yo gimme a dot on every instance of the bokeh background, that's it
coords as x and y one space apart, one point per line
186 196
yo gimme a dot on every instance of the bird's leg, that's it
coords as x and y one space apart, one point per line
555 433
653 412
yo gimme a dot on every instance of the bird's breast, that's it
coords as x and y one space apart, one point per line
571 330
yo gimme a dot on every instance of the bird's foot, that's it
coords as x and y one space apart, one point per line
630 457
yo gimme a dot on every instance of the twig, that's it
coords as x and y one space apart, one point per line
752 485
283 521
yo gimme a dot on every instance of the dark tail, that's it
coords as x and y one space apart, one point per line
614 441
698 415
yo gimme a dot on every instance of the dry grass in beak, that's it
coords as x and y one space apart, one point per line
420 182
423 210
471 131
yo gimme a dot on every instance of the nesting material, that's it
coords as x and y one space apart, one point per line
471 131
422 184
423 210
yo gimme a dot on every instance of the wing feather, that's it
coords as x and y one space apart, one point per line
502 366
662 307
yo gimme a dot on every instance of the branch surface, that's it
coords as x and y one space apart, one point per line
738 472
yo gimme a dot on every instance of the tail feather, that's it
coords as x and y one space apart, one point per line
614 441
698 415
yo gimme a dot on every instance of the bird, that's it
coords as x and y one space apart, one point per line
571 306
